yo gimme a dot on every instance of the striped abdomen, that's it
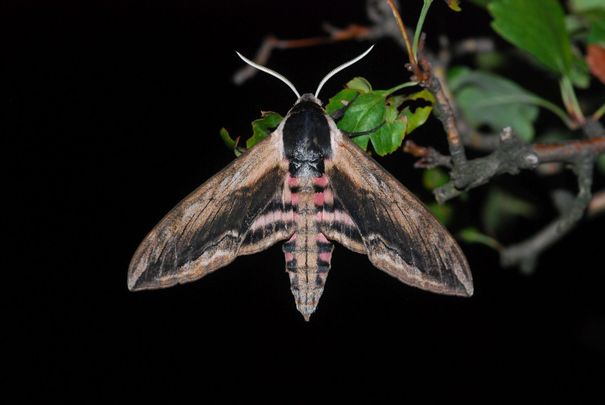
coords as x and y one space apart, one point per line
308 252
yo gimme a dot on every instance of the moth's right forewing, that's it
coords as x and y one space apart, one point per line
206 230
399 234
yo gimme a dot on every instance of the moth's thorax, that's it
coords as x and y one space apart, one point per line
306 138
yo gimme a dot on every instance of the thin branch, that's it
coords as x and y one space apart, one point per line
429 157
568 151
404 34
525 254
511 156
445 114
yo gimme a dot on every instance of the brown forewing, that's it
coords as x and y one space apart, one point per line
207 229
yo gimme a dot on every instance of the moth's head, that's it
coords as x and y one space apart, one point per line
307 103
307 97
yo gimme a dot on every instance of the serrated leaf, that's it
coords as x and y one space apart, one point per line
443 212
388 138
419 116
365 113
360 84
473 235
341 100
263 127
434 177
538 27
487 99
500 207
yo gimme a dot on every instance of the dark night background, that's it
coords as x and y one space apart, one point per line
111 112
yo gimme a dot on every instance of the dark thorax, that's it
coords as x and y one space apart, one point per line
306 137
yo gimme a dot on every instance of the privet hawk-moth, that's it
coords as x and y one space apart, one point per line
309 185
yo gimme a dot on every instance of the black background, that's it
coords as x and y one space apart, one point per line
111 112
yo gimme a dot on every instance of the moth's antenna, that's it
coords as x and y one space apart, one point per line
339 68
271 72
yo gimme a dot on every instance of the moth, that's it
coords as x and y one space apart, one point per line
309 185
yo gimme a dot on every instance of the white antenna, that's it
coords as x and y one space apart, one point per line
338 69
271 72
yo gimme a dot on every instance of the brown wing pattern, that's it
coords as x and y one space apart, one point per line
400 236
209 227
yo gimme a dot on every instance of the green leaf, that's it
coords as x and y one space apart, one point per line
232 144
341 100
263 127
434 177
443 212
391 112
487 99
388 138
362 141
419 116
365 113
538 27
454 4
472 235
229 142
371 110
360 84
501 207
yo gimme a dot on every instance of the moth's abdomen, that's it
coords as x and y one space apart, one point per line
308 252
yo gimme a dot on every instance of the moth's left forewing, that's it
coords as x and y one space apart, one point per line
400 236
231 214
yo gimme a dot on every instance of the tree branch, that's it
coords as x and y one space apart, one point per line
510 156
526 253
